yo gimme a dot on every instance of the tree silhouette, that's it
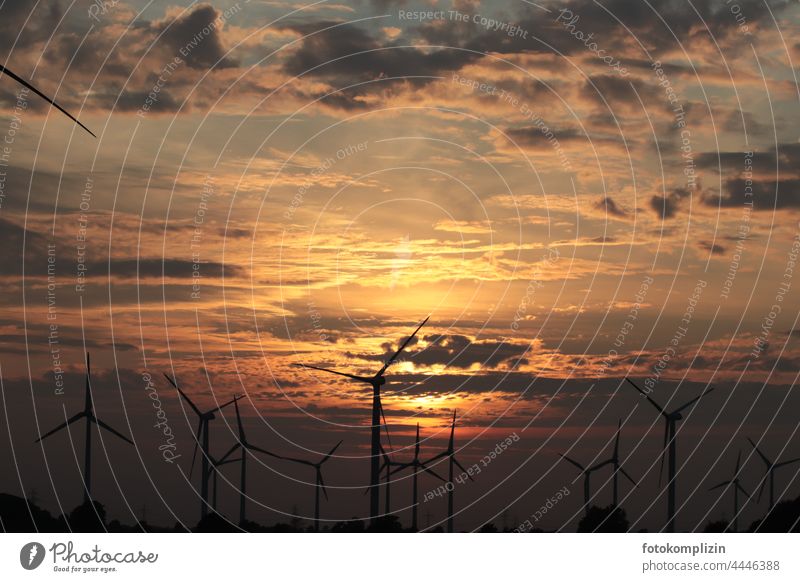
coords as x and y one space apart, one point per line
604 519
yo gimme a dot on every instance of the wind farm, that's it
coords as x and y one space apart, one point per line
403 473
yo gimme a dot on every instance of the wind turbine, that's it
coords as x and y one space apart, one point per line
88 414
387 465
617 467
204 418
737 486
25 83
450 453
771 467
320 484
243 445
671 420
416 464
587 474
376 382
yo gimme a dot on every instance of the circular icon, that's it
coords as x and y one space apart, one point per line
31 555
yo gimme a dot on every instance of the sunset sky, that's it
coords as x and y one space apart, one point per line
276 183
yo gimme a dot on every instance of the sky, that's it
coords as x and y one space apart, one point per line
574 192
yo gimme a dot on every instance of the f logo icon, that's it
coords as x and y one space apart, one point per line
31 555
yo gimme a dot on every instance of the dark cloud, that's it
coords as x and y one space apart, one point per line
713 248
195 37
767 194
19 245
785 158
531 136
667 206
349 54
455 351
608 205
24 23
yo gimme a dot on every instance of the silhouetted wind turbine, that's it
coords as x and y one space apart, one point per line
204 418
771 467
618 467
25 83
243 445
88 414
387 465
320 484
416 464
376 382
587 474
736 488
450 453
670 421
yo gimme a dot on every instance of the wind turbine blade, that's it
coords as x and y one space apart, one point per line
102 424
231 450
322 484
300 461
400 467
743 490
576 463
87 405
186 398
616 440
438 456
23 82
196 444
631 479
391 360
386 428
723 484
764 458
693 400
460 466
221 406
643 393
352 376
239 421
451 444
601 465
416 445
663 453
432 472
763 484
263 451
784 463
738 464
60 426
333 450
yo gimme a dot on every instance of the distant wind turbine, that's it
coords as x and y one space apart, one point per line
88 414
416 464
204 418
737 487
376 382
320 483
670 421
450 454
25 83
587 475
387 465
618 467
769 474
243 445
